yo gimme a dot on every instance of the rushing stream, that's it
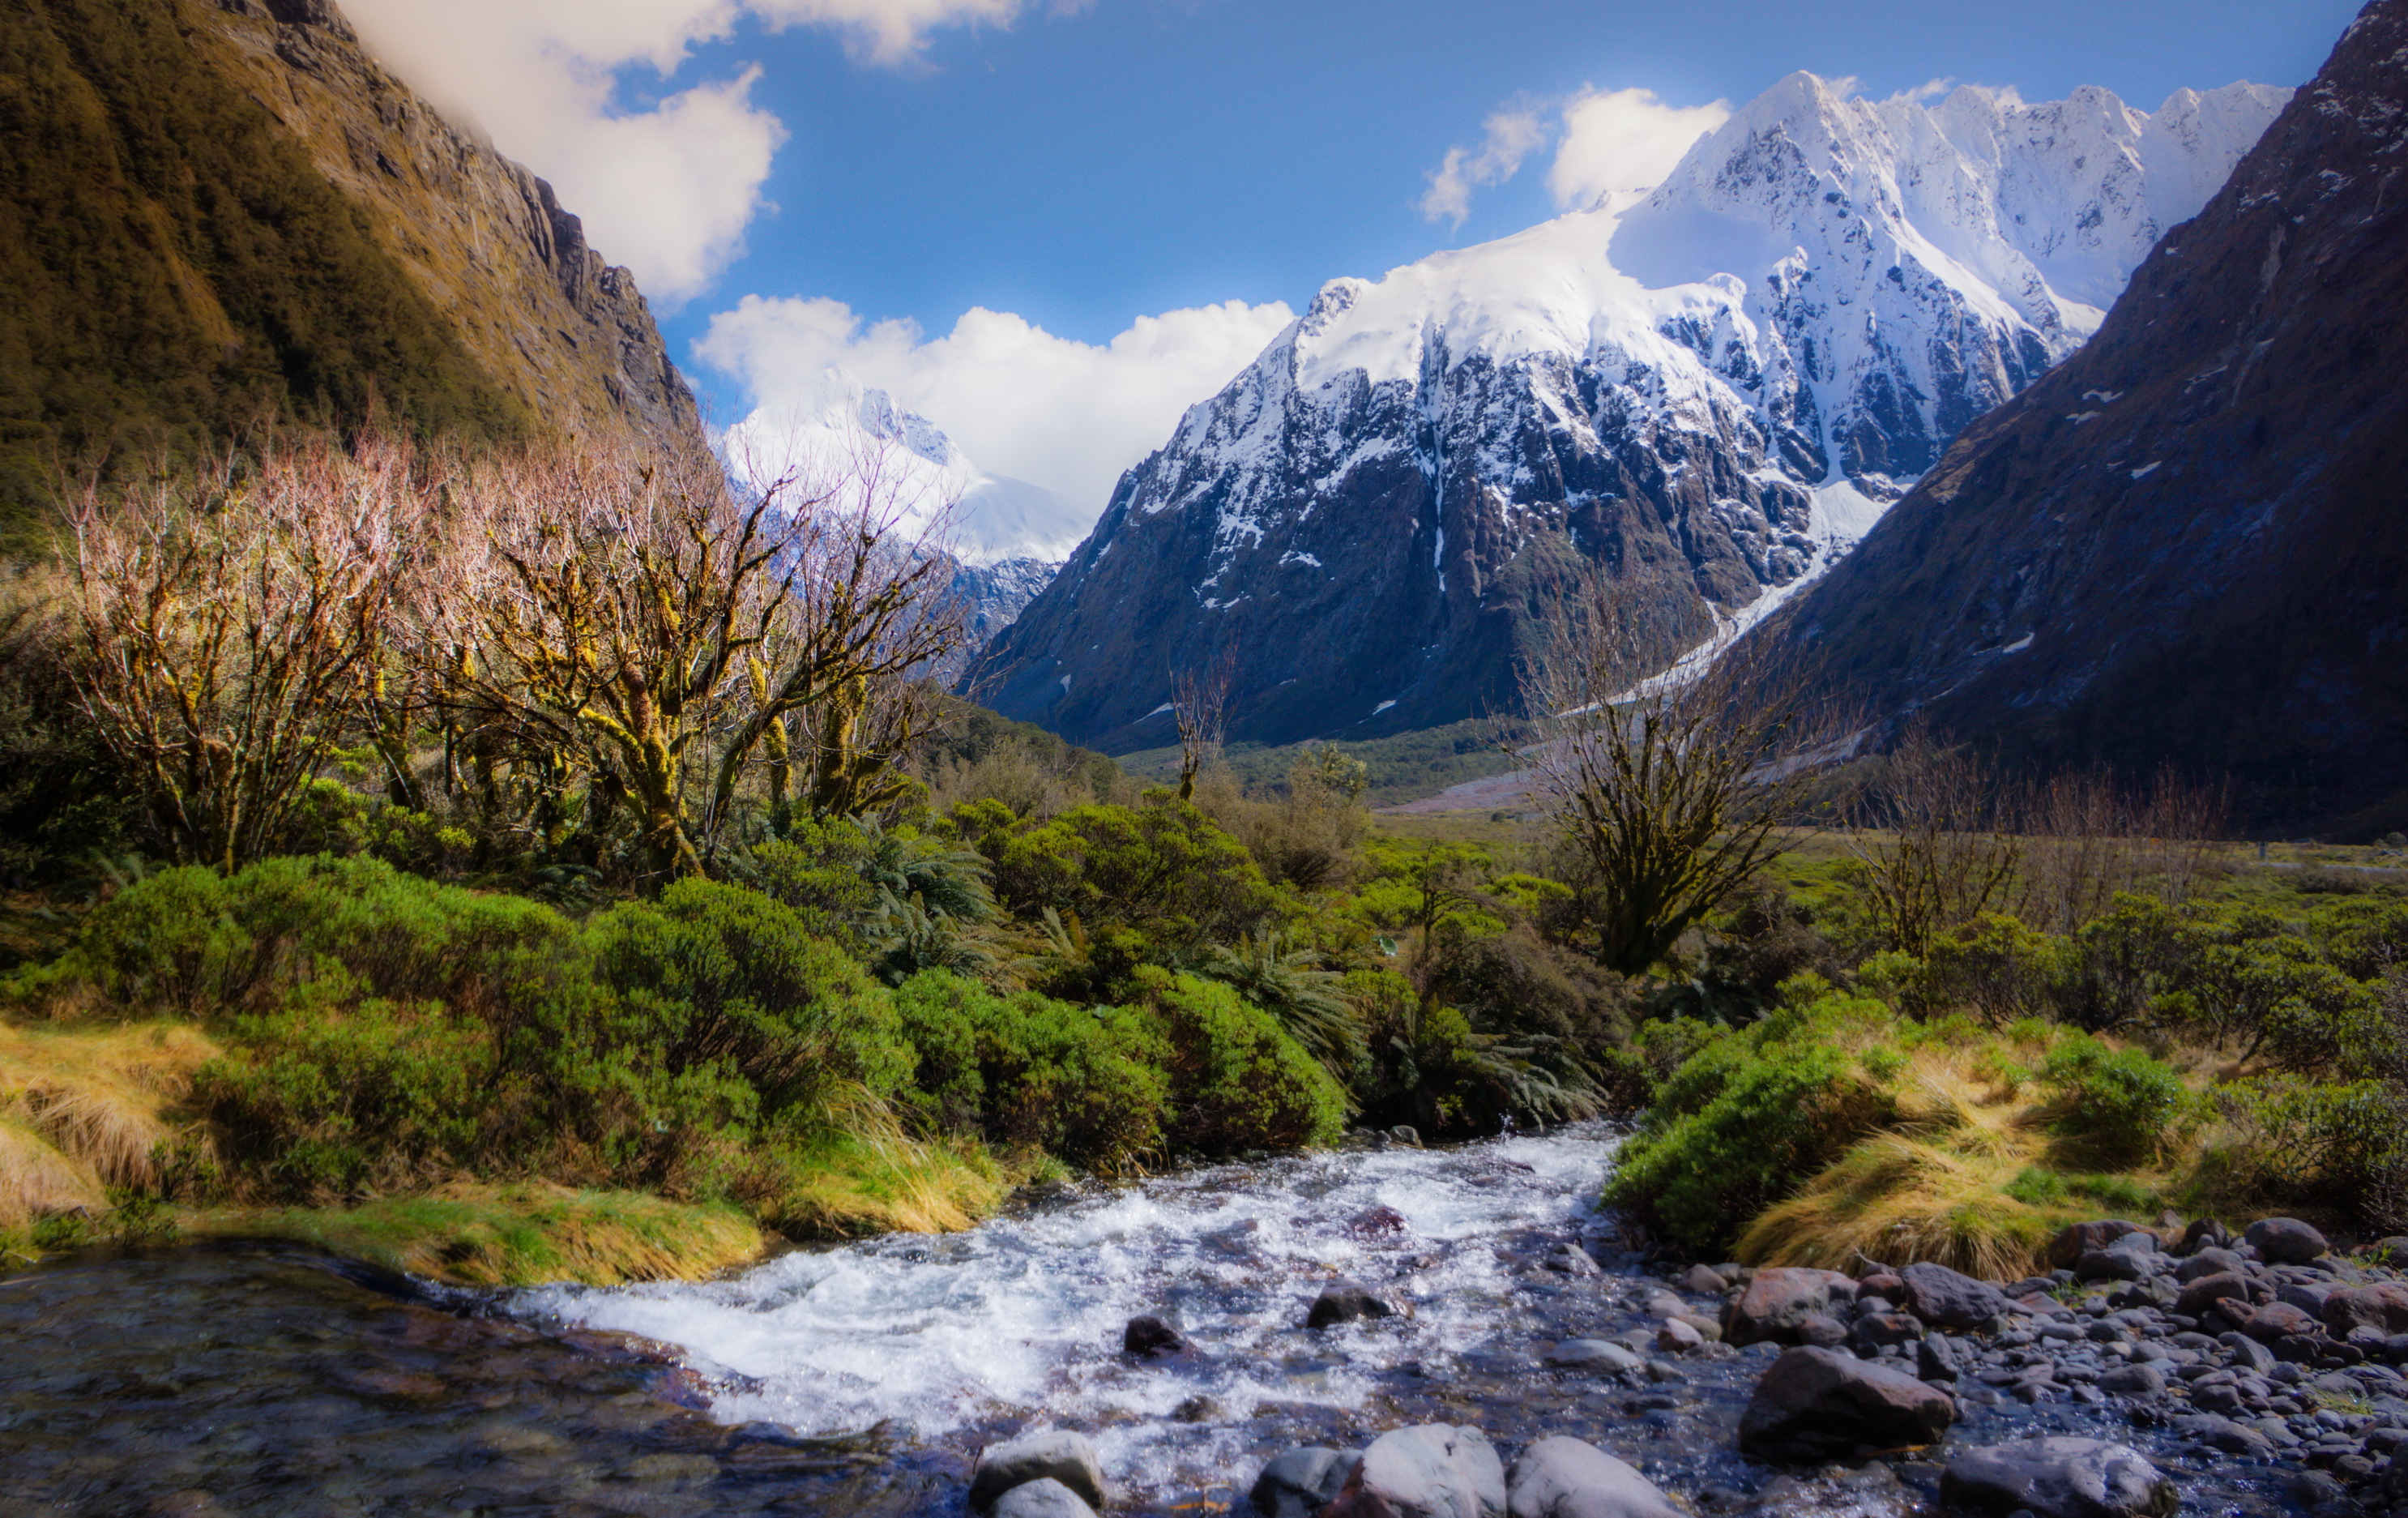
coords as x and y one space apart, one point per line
862 1379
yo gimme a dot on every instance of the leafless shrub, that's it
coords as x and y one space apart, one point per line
1933 842
2088 837
1199 705
1671 793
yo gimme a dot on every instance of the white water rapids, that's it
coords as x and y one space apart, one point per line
1019 1321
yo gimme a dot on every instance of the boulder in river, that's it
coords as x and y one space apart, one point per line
1602 1354
1950 1299
1703 1281
2285 1241
1151 1337
2204 1233
1047 1453
1779 1299
1561 1477
2211 1261
1344 1301
2078 1239
1434 1470
2222 1434
1046 1499
2278 1320
1815 1403
2058 1477
1379 1221
1301 1482
2383 1306
2132 1381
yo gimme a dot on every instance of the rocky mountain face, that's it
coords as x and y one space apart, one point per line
2189 543
215 212
1713 394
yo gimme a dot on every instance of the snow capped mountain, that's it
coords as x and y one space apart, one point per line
995 518
1713 393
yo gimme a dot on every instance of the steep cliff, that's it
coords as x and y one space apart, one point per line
2189 543
1713 394
211 213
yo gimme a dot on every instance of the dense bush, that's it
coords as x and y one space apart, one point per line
1236 1081
2122 1104
1750 1115
1162 869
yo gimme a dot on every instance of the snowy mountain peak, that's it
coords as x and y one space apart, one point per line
1714 390
995 518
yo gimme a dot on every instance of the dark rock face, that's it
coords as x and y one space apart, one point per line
1815 1403
1779 1300
1949 1298
2183 544
2058 1478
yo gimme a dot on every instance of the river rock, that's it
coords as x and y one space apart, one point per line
1046 1499
1377 1221
2132 1381
2078 1239
1821 1331
2223 1434
1301 1482
2382 1307
1344 1301
1431 1471
2204 1232
2058 1477
1873 1330
2285 1241
2207 1292
1570 1260
2278 1320
2247 1354
1560 1476
1596 1354
2111 1264
1949 1299
1815 1403
1151 1337
1703 1281
1678 1337
1779 1299
1054 1454
2211 1261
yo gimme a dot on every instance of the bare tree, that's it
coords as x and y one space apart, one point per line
1934 841
2090 837
1199 705
1670 792
637 616
226 630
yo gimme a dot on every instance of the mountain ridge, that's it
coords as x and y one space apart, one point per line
2186 545
1378 510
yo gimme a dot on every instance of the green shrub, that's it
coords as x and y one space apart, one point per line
319 1102
1750 1115
715 974
1027 1072
1162 869
1996 967
1236 1081
2337 1143
2121 1105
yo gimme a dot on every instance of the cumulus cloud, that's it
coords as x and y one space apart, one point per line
1619 144
1510 136
666 186
1609 144
1063 415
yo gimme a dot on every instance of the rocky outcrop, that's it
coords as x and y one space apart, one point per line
2184 546
540 309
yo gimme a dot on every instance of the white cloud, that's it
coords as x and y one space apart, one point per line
1609 143
1927 90
1020 401
665 187
1620 144
1511 136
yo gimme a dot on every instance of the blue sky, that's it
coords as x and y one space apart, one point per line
788 174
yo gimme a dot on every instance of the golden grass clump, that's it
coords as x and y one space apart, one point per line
39 1181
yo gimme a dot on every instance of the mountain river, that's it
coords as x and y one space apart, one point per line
863 1379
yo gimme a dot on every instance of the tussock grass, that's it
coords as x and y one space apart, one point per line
39 1181
522 1235
852 1187
1968 1175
